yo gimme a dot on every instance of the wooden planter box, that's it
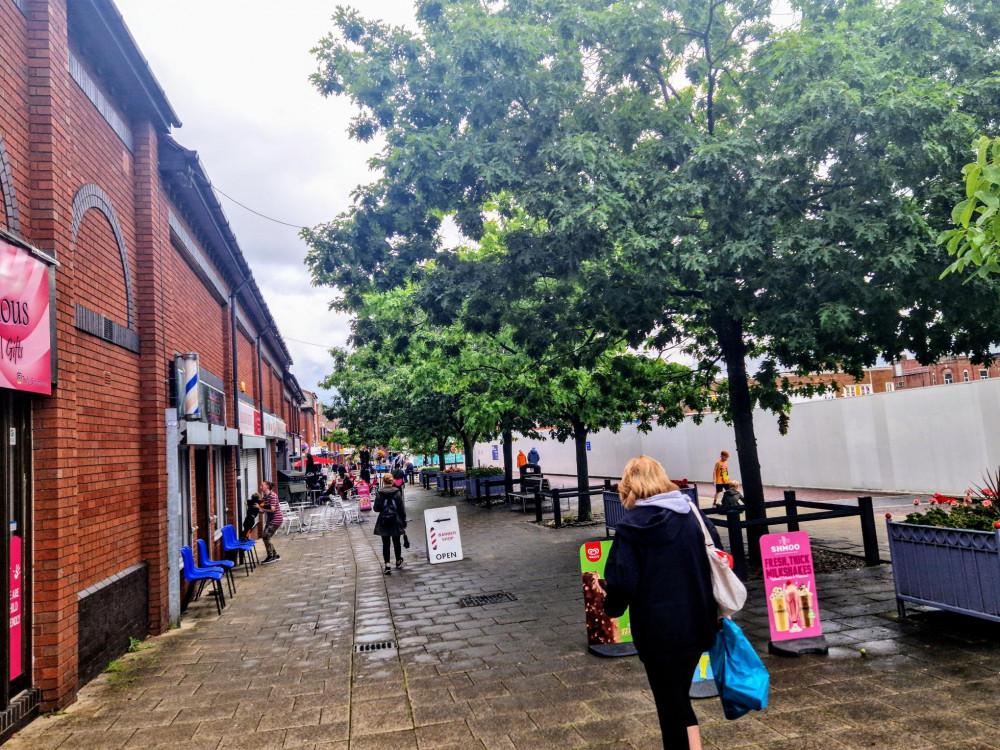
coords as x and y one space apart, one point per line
457 478
477 487
953 569
614 510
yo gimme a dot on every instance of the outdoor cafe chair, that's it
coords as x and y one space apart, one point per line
195 575
245 550
226 565
289 517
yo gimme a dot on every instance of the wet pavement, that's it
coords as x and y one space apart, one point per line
280 669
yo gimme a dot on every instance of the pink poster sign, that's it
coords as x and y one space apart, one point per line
16 581
25 337
790 586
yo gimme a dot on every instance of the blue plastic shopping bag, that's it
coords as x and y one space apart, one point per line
740 675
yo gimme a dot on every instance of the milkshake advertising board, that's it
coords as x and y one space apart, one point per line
605 635
790 586
25 333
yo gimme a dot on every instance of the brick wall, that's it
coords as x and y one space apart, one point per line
111 613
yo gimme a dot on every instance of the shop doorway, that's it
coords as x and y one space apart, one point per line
15 552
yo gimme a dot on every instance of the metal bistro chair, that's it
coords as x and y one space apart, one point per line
289 517
226 565
192 573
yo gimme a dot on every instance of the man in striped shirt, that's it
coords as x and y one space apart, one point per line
272 521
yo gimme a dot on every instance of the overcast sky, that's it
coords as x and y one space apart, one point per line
236 73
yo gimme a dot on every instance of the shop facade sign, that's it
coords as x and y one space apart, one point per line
25 331
250 423
274 426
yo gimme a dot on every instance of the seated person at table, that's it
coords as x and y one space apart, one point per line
345 486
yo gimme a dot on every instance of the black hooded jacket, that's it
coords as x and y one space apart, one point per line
658 567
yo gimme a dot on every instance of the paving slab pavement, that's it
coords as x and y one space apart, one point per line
279 669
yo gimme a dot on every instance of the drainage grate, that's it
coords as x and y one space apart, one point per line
478 601
378 646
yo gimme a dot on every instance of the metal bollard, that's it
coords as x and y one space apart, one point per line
868 535
556 511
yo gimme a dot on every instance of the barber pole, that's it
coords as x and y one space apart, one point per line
192 407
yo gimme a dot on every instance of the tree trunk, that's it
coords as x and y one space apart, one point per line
508 460
730 333
441 459
580 433
469 448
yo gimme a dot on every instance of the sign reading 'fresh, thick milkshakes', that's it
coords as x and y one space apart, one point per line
444 542
790 586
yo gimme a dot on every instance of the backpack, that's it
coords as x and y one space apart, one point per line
388 512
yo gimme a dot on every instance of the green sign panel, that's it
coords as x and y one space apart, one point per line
601 629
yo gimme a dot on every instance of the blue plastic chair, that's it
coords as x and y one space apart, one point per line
245 550
197 577
226 565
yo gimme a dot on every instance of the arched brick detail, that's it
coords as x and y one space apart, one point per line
7 190
91 196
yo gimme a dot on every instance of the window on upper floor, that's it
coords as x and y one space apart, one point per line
948 379
857 390
984 374
890 387
965 375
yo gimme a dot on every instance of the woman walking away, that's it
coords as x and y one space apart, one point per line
658 567
391 520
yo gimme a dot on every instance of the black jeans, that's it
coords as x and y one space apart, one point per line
670 682
399 551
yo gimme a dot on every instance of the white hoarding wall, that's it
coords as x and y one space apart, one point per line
937 439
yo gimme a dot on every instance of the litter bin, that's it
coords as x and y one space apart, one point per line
292 487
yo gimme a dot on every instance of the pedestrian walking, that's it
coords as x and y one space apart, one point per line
720 475
658 567
273 518
391 521
533 456
521 459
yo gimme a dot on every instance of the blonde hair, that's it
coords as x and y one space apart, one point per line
387 479
643 477
734 485
724 454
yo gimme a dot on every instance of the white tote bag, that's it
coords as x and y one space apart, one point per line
729 592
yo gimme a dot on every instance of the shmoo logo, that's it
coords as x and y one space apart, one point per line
593 551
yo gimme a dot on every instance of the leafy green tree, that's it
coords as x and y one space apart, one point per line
715 181
976 241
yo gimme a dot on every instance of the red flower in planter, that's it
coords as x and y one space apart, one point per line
917 502
996 524
987 503
888 515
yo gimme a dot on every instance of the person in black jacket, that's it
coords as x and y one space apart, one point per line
659 568
391 521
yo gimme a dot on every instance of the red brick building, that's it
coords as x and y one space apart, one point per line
144 387
905 373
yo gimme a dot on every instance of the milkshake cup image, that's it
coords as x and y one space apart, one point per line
806 602
779 610
794 608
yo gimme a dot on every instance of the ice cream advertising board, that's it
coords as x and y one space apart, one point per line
601 629
790 586
25 334
444 542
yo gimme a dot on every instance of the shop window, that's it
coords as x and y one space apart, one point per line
219 483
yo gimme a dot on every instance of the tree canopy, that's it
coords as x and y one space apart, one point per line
697 174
